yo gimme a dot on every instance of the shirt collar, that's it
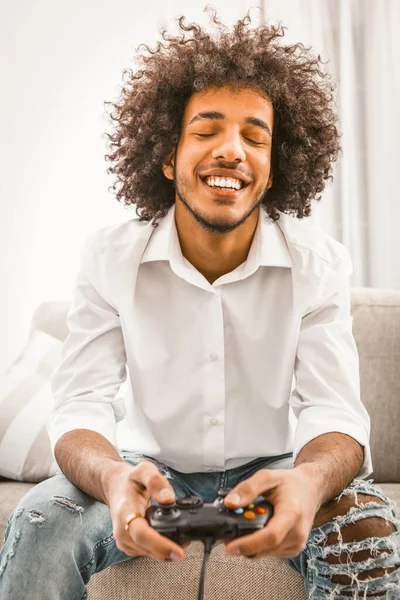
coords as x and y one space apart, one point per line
268 249
158 246
273 250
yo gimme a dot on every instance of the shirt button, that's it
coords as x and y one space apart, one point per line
214 421
214 356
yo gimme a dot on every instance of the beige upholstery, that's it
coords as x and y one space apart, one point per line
377 332
376 328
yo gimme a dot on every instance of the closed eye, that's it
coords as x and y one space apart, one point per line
206 135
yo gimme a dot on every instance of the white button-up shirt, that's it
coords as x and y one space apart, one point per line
215 375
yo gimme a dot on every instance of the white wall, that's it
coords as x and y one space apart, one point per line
59 62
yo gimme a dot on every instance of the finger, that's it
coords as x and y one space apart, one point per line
129 548
248 490
267 539
150 542
144 540
149 478
132 550
151 482
289 547
288 529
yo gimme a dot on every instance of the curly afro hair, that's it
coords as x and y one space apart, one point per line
149 112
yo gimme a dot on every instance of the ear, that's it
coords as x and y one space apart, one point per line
168 165
270 180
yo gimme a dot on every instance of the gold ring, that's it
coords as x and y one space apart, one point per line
130 518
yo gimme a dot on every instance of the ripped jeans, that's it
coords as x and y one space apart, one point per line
56 528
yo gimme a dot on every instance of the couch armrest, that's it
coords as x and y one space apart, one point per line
376 329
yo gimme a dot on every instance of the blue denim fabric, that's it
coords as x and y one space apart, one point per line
59 529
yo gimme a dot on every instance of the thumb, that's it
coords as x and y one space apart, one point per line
246 491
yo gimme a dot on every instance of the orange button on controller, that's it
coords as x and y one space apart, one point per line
249 514
260 510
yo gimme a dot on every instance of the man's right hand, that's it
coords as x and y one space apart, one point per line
129 491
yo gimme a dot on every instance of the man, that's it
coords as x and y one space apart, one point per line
213 312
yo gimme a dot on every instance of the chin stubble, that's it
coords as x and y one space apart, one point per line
217 226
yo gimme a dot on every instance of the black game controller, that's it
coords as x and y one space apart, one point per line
189 518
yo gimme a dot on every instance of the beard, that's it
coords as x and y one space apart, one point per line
215 224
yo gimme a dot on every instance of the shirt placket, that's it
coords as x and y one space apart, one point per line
214 388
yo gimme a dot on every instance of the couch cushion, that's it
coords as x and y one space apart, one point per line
25 402
10 494
51 317
376 329
227 578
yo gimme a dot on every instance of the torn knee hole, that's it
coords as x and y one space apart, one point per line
340 508
367 531
371 573
36 517
360 530
360 542
366 499
68 503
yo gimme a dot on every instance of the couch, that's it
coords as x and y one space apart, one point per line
376 327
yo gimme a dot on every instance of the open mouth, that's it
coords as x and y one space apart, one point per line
227 192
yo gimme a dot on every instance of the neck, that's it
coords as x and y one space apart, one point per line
213 254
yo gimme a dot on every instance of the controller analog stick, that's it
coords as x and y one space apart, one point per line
167 512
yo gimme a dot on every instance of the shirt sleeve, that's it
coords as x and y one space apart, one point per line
327 394
93 361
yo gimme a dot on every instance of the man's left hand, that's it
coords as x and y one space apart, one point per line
295 499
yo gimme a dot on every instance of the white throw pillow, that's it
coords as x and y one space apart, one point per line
25 403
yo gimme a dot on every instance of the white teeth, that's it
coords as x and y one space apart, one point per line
224 182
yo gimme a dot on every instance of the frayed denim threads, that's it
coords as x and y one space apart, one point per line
384 551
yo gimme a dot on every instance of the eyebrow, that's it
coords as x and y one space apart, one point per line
220 116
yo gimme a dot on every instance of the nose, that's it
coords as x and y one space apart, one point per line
229 147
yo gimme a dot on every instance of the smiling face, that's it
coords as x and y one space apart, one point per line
223 159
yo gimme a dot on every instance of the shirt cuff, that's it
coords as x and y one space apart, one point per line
80 415
312 423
